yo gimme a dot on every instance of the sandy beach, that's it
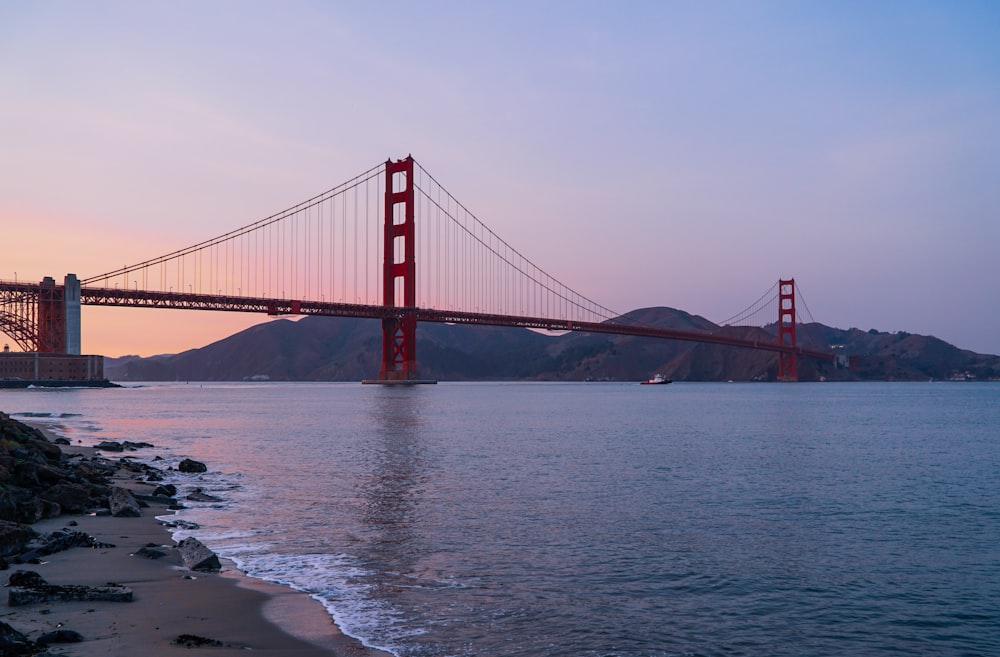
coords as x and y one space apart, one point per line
235 612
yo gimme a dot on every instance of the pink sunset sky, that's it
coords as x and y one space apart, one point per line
682 154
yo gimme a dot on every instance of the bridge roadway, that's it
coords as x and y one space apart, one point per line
190 301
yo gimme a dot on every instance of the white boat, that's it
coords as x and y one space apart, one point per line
657 379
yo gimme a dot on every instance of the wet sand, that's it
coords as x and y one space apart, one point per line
168 599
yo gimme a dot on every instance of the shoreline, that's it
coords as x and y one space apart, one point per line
238 611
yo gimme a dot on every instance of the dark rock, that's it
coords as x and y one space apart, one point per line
30 509
59 636
71 498
126 463
168 490
109 446
131 446
153 499
28 587
195 641
61 441
8 504
94 471
123 504
14 537
198 557
190 465
49 474
58 541
150 553
26 579
197 495
14 643
183 524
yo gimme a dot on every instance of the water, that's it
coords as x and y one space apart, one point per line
596 519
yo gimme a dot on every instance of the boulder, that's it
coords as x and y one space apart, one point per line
14 537
71 498
166 490
150 553
8 504
109 446
198 557
13 642
190 465
123 504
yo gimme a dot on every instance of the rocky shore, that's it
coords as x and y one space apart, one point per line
91 571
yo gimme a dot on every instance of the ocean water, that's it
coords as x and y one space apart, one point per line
517 519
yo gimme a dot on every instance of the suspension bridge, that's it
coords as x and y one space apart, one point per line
390 244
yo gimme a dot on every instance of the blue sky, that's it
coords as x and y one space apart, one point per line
684 154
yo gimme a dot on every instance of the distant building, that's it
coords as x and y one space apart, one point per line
27 368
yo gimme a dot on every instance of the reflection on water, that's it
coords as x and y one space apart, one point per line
392 486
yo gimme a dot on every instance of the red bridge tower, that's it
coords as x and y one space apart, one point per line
399 267
787 370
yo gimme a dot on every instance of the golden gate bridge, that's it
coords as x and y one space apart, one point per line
390 244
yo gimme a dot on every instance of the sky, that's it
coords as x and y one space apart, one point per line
669 153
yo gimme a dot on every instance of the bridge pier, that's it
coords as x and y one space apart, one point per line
58 318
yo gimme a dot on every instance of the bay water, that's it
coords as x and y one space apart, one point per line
593 519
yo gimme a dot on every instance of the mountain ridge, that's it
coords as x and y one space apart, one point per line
349 349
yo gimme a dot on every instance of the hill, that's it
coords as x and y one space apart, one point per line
347 349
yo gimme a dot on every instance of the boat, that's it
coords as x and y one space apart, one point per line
657 379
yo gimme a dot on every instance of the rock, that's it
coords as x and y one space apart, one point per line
14 537
26 579
27 587
183 524
61 441
167 490
71 498
197 495
131 446
195 641
123 504
198 557
150 553
58 541
145 500
59 636
190 465
94 471
109 446
13 642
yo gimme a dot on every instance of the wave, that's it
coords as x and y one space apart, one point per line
48 415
